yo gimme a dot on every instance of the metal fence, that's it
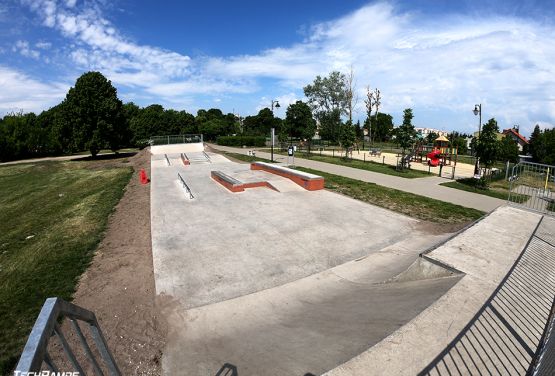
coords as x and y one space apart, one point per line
507 336
36 356
532 187
176 139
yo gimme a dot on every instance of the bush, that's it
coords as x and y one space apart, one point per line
481 183
241 140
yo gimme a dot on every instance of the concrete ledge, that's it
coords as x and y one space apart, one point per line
308 181
235 185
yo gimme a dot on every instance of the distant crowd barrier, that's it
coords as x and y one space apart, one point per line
308 181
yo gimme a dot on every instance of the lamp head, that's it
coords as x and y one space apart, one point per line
476 110
277 105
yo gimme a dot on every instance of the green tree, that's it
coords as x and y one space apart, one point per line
534 142
406 132
299 122
508 150
431 137
329 98
347 137
487 146
95 113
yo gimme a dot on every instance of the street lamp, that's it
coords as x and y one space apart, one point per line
478 111
275 104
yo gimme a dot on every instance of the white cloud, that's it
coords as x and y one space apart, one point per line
21 92
445 63
43 45
22 47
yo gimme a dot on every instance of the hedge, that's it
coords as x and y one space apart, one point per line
241 140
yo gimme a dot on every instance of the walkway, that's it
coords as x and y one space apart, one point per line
428 186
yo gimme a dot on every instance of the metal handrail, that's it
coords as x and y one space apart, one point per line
176 139
184 156
206 156
167 160
185 186
544 358
36 353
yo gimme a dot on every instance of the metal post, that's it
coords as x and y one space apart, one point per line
272 136
507 170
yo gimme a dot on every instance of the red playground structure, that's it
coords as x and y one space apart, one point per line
434 157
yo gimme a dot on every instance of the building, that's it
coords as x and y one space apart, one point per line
426 131
517 137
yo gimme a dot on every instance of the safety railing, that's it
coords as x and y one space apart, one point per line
176 139
185 186
167 160
532 187
206 156
505 336
36 355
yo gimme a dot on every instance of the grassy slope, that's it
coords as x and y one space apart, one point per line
403 202
52 218
362 165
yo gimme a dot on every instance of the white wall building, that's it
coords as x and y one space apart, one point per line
426 131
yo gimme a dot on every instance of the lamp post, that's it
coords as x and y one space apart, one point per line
275 104
478 111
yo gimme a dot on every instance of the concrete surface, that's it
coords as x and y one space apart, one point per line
485 253
307 326
232 244
428 186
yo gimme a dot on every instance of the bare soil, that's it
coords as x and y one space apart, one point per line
119 284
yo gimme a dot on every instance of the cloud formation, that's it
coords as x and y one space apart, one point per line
440 64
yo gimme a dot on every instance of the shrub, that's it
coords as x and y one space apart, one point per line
241 140
481 183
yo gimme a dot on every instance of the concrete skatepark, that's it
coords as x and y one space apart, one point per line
287 281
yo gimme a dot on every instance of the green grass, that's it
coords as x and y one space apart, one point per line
415 206
52 218
243 157
362 165
498 189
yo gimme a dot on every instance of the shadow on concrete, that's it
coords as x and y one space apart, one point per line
502 338
227 370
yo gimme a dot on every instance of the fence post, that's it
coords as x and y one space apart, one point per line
383 160
507 171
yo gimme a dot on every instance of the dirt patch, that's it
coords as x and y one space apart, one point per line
119 284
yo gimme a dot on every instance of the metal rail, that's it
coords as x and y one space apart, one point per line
532 187
185 186
176 139
35 353
505 335
206 156
167 160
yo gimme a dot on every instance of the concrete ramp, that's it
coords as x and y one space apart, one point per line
177 148
486 252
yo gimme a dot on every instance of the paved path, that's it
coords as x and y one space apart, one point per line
428 186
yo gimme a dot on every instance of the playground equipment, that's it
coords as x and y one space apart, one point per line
434 158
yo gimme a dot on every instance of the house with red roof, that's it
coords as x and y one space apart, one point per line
513 133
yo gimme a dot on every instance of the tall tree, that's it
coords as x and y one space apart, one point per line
508 150
487 146
299 122
347 137
534 142
95 113
406 132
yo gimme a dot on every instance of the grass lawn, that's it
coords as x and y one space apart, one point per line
243 157
52 218
415 206
362 165
498 189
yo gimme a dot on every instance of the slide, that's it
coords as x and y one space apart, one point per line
434 157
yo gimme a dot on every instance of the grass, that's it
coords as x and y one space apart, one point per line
243 157
52 219
415 206
497 189
362 165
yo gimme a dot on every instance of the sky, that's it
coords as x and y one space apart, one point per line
439 58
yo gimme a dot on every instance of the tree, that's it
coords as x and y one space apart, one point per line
299 122
328 99
347 137
262 123
95 113
373 100
431 137
350 96
534 142
487 147
330 125
406 132
381 126
508 150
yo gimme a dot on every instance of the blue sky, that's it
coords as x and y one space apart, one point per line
438 57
